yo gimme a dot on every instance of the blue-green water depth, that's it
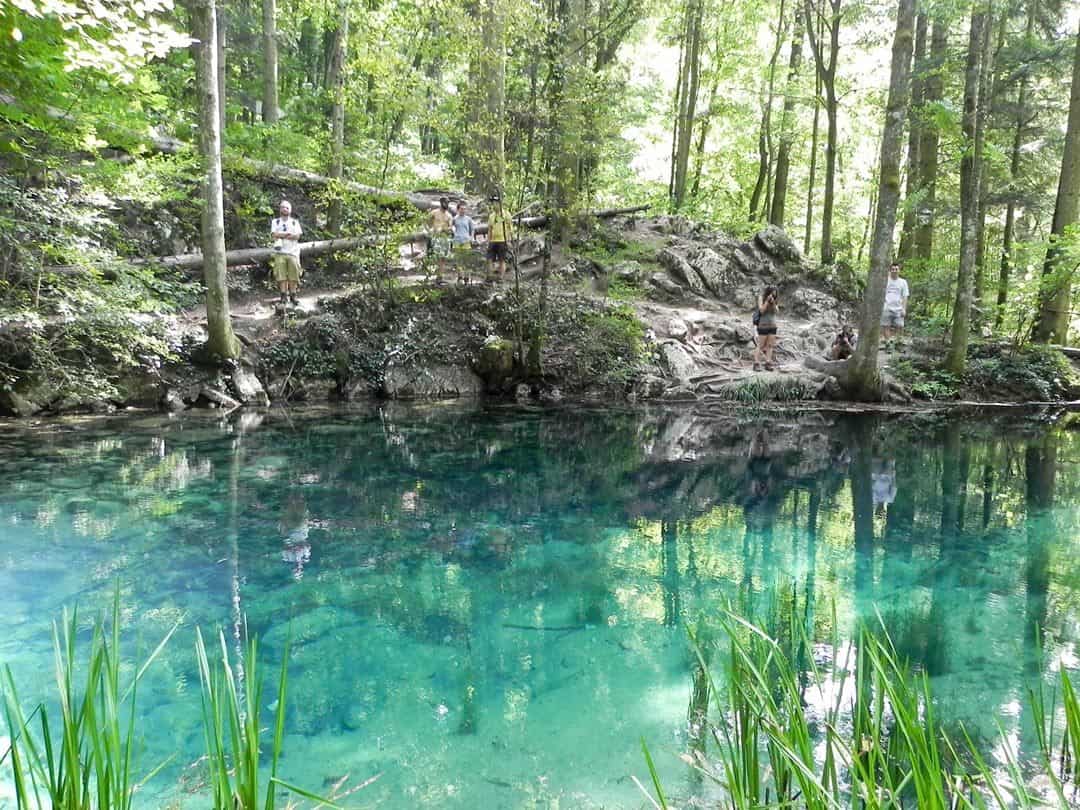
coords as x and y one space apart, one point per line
488 608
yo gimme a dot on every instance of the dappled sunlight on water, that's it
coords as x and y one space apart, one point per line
489 608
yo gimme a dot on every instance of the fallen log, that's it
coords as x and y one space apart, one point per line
259 255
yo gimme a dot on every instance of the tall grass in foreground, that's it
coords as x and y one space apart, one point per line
233 731
876 744
84 758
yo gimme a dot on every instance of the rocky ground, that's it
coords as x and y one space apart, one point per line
639 308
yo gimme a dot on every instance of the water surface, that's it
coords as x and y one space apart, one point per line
488 608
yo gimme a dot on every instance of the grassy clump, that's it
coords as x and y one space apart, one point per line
85 759
767 388
877 744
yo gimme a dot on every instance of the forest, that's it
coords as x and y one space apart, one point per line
943 135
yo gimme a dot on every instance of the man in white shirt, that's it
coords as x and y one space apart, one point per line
286 232
896 297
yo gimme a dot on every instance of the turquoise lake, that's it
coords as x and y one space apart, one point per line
488 606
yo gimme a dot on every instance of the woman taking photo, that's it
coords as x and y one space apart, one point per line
765 321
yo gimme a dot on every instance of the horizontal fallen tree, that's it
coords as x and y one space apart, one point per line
246 256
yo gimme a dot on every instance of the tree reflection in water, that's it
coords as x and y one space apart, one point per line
487 580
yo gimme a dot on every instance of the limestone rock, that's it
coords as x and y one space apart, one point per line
778 244
431 382
495 363
650 387
217 398
25 399
522 393
249 390
678 361
678 329
681 270
629 271
716 271
812 304
172 401
664 283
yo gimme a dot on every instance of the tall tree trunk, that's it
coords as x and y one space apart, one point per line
1056 297
956 360
337 117
787 122
687 105
493 81
915 113
815 132
987 93
703 130
270 62
221 343
826 67
928 144
764 132
1008 235
221 24
862 379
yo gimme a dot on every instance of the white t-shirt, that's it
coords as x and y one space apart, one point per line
290 247
896 294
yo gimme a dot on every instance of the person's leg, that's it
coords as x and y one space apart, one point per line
757 352
770 343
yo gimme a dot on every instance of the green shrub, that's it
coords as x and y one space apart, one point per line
1033 372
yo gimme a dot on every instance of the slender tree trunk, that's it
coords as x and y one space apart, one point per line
787 122
493 84
337 117
826 67
1014 173
813 145
915 113
863 380
270 62
764 132
222 26
689 81
934 89
1056 298
221 343
987 92
703 130
956 361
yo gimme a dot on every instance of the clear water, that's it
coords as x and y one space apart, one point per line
488 607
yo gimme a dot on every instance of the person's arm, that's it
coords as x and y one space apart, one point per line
904 298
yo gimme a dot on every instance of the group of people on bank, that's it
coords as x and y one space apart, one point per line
455 232
449 233
893 314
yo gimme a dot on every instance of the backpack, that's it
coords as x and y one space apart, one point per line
756 317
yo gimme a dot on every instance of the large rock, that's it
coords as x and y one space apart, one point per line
25 399
778 244
813 305
249 390
682 271
678 361
716 271
664 283
629 271
495 363
431 382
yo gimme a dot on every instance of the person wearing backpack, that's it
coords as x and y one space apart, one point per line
765 324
